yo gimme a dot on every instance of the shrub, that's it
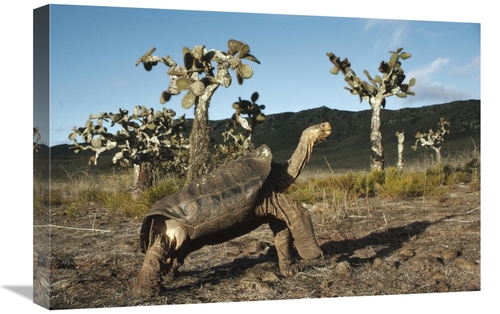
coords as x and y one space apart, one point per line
399 185
161 189
303 192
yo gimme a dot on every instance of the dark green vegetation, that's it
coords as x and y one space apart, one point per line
347 148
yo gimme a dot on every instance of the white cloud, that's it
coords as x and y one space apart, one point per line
439 93
398 35
426 73
429 89
372 23
397 29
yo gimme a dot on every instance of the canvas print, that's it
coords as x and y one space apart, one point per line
184 157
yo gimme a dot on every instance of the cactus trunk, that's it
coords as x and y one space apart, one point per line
377 157
438 154
401 139
199 149
143 176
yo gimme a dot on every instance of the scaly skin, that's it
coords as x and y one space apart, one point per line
296 218
149 279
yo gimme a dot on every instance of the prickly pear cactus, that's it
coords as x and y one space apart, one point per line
390 83
201 67
36 139
254 113
236 144
433 139
146 137
202 72
375 91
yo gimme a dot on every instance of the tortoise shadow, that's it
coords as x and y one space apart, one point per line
215 275
391 239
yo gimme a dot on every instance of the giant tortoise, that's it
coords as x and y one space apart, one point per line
232 201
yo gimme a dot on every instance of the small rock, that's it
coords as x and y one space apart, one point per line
269 277
406 253
442 286
343 268
105 272
233 251
255 247
261 271
61 285
465 264
449 254
249 283
378 264
439 277
127 245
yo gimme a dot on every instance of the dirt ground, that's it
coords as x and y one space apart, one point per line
381 247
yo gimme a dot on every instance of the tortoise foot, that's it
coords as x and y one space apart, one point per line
147 286
289 270
310 252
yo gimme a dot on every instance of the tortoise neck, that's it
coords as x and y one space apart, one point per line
300 157
283 174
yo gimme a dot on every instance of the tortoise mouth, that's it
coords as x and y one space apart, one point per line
327 129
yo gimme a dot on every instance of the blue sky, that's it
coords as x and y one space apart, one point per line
94 49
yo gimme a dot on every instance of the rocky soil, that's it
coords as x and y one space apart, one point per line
378 247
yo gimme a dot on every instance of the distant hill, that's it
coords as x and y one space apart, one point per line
348 147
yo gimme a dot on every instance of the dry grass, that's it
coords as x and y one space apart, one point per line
333 192
80 193
335 196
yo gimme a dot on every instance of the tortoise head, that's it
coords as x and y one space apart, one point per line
318 133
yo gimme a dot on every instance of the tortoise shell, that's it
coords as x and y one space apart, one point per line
217 201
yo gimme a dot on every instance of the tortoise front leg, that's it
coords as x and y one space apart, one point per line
283 243
301 229
297 220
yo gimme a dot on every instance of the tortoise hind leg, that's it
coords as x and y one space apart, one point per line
155 264
160 257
